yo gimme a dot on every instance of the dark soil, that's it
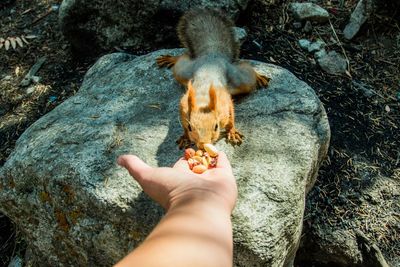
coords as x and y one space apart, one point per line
365 144
365 127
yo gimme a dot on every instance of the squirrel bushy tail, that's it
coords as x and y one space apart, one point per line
206 31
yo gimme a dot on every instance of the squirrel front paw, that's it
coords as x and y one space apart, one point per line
262 80
166 61
183 142
235 137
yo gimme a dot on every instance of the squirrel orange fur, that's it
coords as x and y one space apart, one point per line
212 72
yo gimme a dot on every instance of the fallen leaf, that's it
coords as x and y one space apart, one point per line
387 108
2 40
157 106
17 71
19 41
7 44
30 36
348 73
24 39
13 42
26 11
1 45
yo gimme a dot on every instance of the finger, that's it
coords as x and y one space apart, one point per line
223 161
135 166
182 164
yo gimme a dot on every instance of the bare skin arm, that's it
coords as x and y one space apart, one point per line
196 230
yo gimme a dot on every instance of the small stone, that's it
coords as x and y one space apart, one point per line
309 11
15 262
357 18
30 90
316 46
297 25
307 27
36 79
319 54
52 99
240 34
311 46
333 63
363 88
304 43
55 7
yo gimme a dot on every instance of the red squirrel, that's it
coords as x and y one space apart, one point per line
212 72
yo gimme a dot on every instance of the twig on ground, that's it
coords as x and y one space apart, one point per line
30 76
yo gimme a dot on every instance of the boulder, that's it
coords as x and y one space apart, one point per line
95 25
76 207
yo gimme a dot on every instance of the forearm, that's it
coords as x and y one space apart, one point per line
191 234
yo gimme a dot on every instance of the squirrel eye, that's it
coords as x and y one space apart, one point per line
190 127
216 127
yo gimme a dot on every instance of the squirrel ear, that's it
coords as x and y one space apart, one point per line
213 99
191 98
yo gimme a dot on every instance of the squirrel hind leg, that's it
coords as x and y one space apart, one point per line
244 79
167 61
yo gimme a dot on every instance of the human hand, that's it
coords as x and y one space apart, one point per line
173 186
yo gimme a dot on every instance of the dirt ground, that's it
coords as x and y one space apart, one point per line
358 187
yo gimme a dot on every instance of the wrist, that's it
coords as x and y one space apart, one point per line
200 199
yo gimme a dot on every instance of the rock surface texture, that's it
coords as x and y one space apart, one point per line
93 25
76 207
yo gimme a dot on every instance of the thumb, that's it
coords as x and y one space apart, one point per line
137 168
223 161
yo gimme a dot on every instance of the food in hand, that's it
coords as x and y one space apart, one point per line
211 150
201 160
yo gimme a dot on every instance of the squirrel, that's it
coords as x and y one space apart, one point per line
213 73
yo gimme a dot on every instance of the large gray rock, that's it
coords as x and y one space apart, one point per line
93 25
76 207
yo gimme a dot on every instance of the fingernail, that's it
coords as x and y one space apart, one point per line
119 160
